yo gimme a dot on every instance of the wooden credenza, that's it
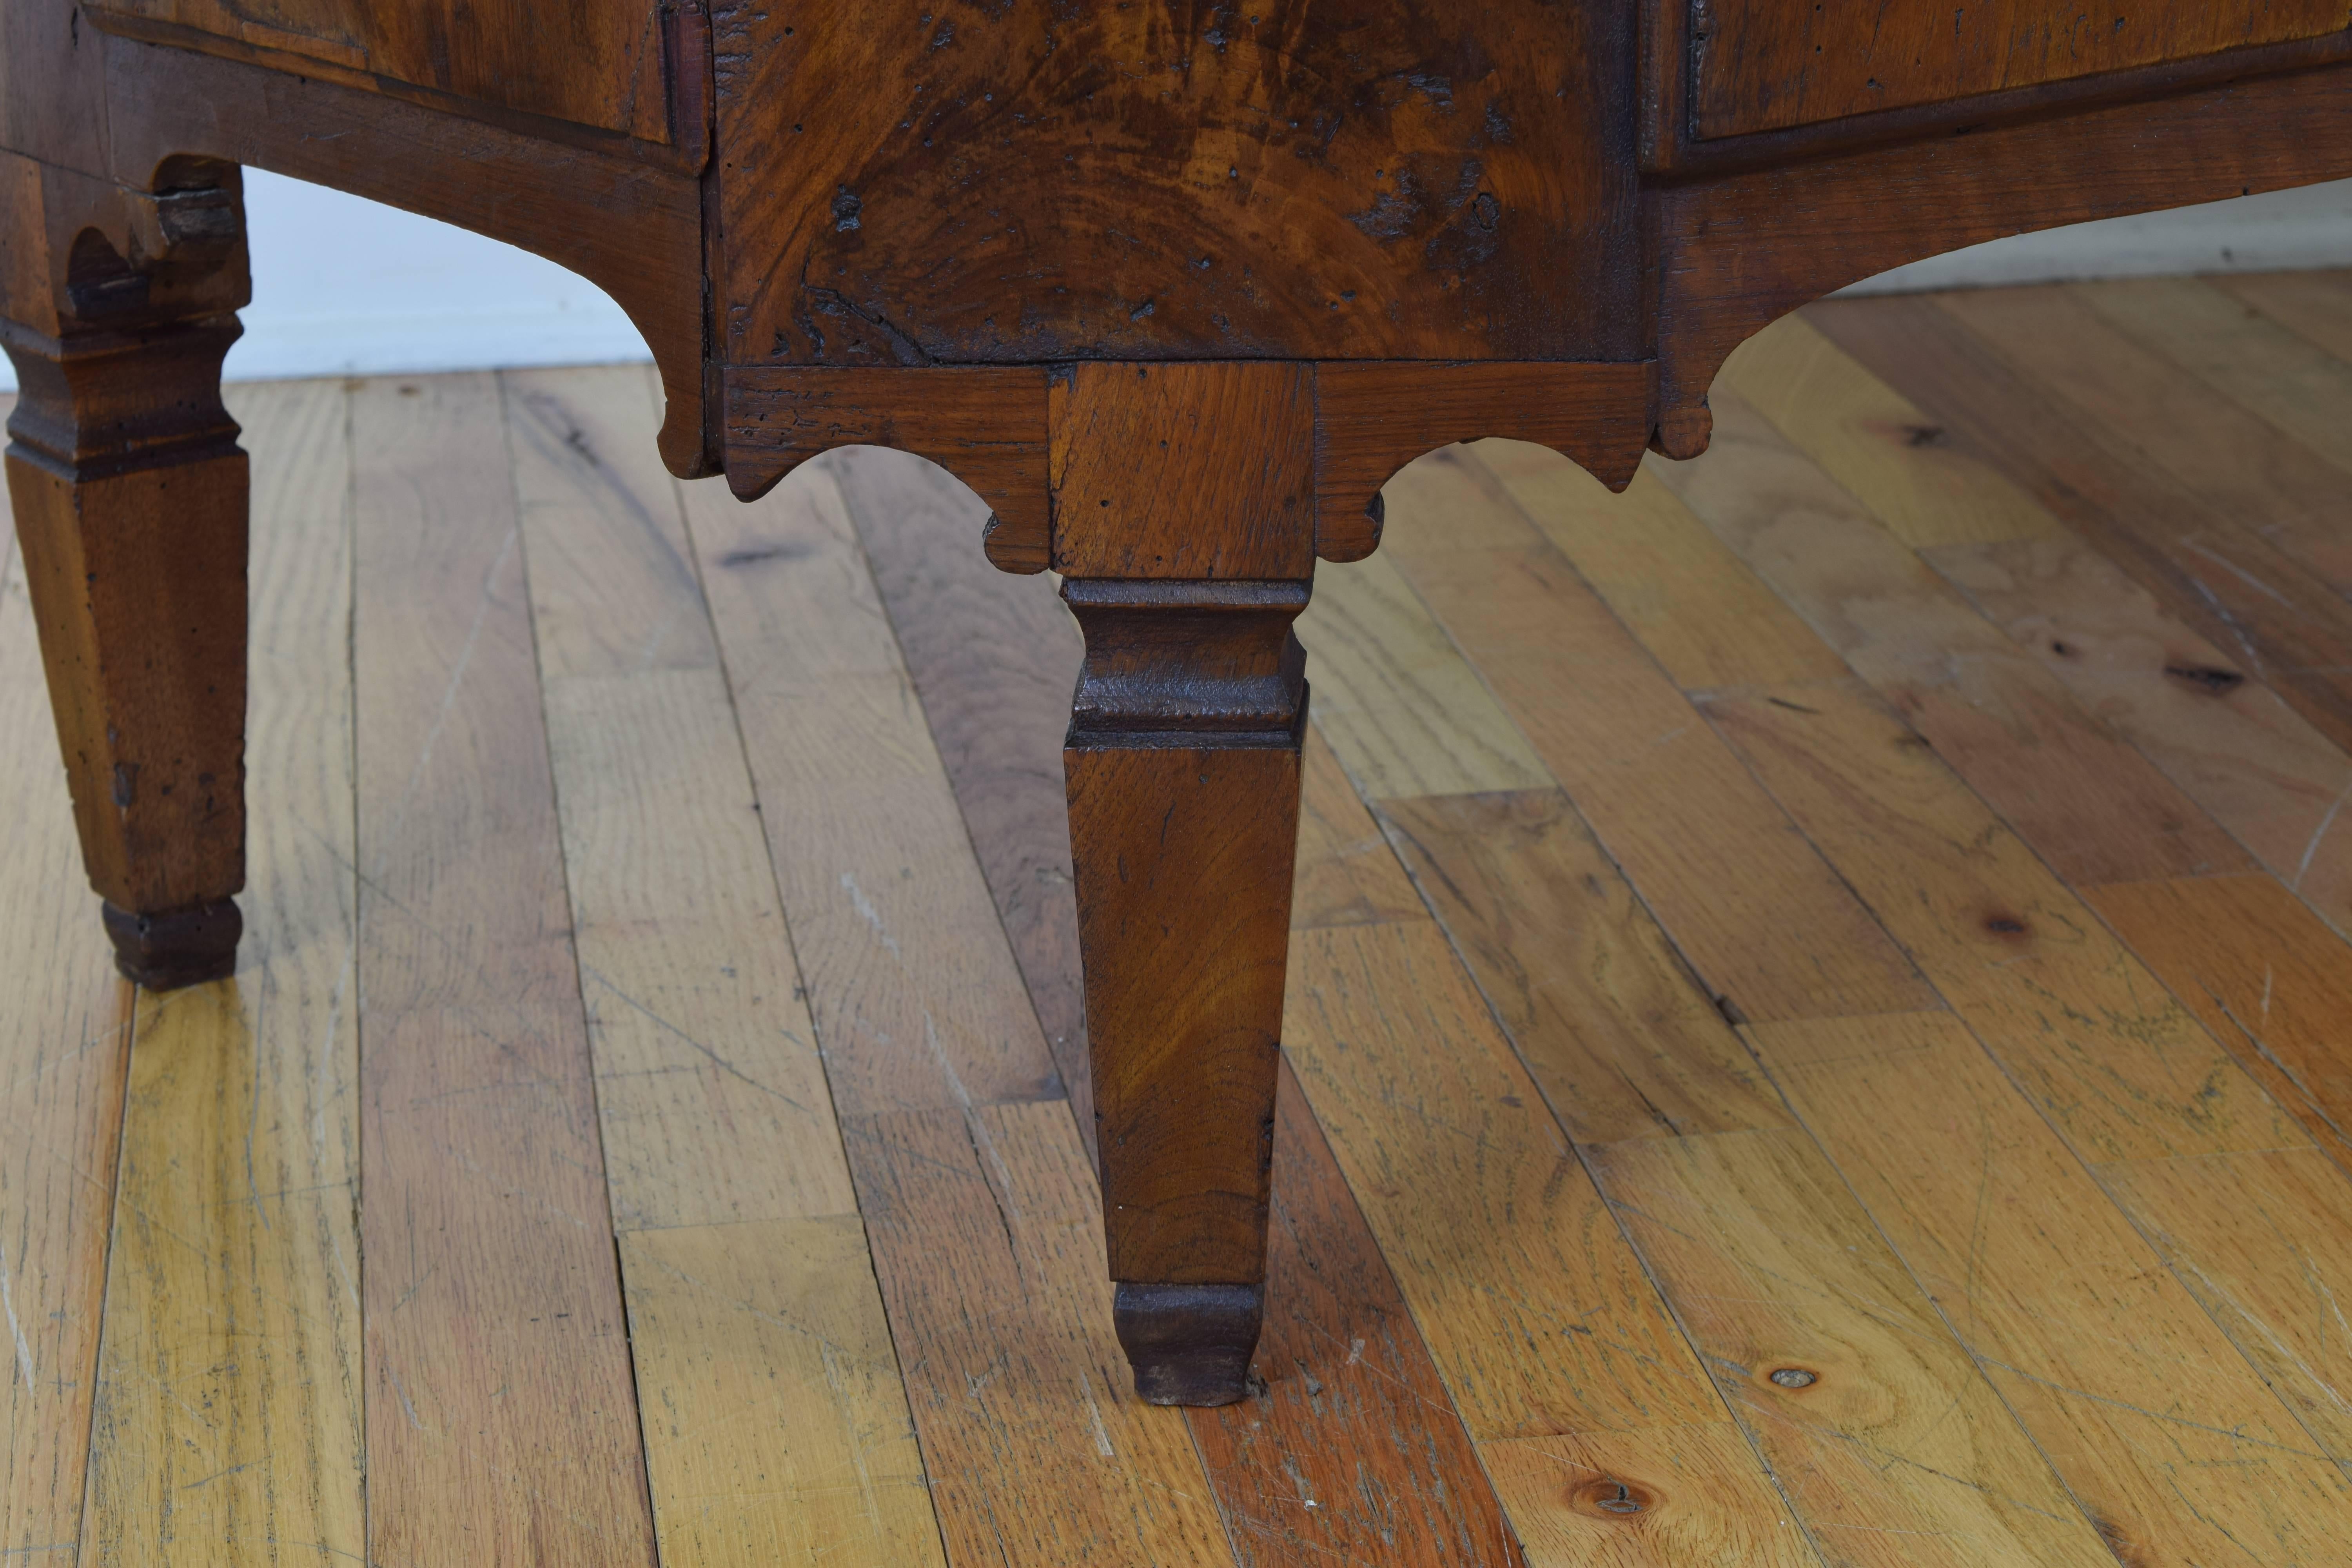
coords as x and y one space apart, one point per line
1174 288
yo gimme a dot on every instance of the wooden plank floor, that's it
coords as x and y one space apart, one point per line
1820 1027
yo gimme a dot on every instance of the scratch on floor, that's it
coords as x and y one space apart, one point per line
449 693
15 1329
865 906
2303 865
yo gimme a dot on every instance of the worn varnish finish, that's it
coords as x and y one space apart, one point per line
2138 1081
1762 65
1176 293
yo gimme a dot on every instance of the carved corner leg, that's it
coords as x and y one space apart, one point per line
1182 766
129 495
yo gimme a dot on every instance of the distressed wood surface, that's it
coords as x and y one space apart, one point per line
994 661
1405 713
711 1099
500 1416
1348 1412
1620 1034
2109 1360
1773 63
229 1399
2150 1116
2247 758
2091 1035
2095 808
2239 592
897 939
608 78
67 1033
1717 861
987 1233
2269 982
1391 180
1183 470
1372 419
2252 470
776 1421
1894 1450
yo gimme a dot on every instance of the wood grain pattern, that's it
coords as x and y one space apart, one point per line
1749 247
917 1001
228 1413
776 1422
1871 439
1373 418
987 1236
985 425
1765 64
1652 562
2238 592
1535 1309
2089 1033
500 1418
2225 338
1619 1034
2265 978
2106 1357
1629 1500
1897 1452
2268 1263
1402 709
2249 470
1348 1412
632 227
129 495
2249 759
1348 1445
2094 808
609 76
1183 910
66 1038
994 661
1389 180
776 1426
711 1099
1346 874
1750 904
1184 470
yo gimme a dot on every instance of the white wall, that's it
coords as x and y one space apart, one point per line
341 285
346 286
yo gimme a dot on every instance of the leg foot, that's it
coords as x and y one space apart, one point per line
173 948
1190 1345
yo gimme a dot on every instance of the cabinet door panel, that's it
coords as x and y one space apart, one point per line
595 63
1765 64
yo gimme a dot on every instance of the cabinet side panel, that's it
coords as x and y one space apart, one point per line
595 63
1767 65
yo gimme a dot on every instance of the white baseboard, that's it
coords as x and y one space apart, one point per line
343 285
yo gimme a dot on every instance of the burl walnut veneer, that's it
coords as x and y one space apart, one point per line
1173 288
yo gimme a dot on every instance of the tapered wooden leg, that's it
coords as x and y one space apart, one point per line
129 496
1182 767
1184 527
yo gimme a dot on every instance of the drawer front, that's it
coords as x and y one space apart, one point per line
591 63
1769 65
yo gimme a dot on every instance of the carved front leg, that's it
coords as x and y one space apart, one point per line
1184 527
130 497
1182 766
